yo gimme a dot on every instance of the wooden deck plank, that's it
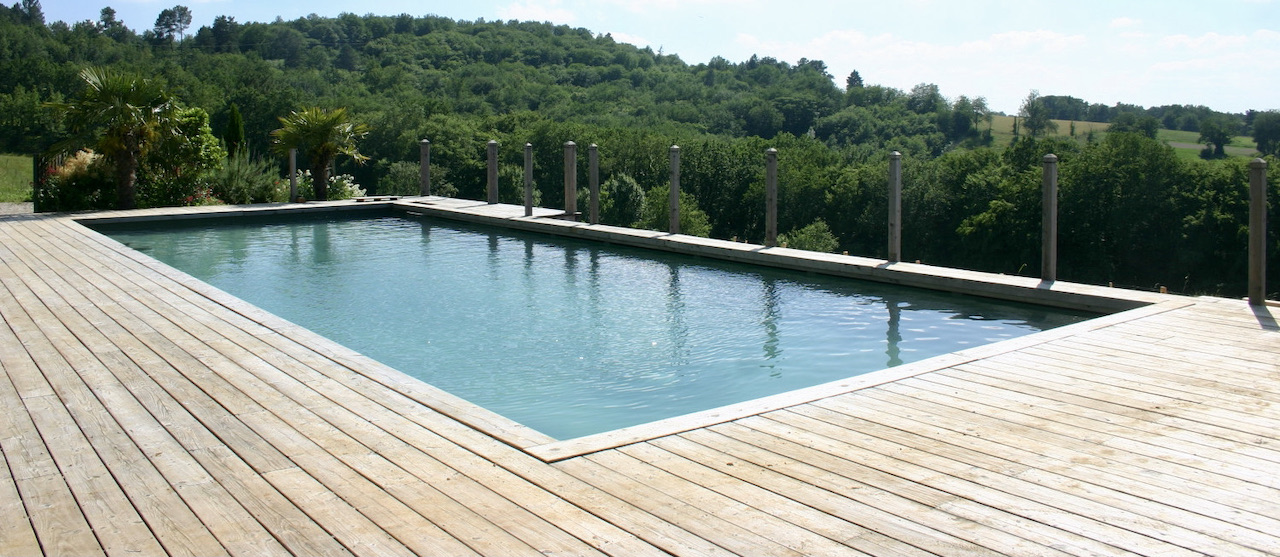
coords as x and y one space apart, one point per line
1151 434
1103 487
513 516
1217 495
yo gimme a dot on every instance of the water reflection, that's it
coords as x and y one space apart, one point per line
769 299
894 334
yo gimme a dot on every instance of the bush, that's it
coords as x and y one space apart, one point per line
341 186
403 178
82 182
816 236
245 180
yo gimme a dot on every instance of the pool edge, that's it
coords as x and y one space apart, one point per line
1117 305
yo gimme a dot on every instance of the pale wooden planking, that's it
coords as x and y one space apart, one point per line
1025 416
446 512
511 515
1200 517
17 535
219 363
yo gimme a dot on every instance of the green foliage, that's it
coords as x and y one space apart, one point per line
402 178
83 181
1036 120
320 135
657 215
233 137
816 236
243 179
1135 123
1217 132
621 201
1266 132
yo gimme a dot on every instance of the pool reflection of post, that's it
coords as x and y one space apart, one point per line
675 309
769 291
894 334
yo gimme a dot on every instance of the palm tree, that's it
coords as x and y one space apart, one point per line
321 135
122 113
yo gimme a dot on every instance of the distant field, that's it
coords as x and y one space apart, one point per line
15 178
1186 144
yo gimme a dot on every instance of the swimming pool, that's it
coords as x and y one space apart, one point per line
566 336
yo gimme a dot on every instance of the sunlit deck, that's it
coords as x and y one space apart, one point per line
147 413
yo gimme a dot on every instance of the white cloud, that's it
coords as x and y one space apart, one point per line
631 39
537 10
1123 22
650 6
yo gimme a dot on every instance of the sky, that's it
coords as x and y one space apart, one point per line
1224 54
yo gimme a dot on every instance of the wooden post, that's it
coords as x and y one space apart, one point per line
771 197
571 180
1049 220
1257 232
895 207
673 215
593 181
424 167
528 179
293 174
37 182
493 171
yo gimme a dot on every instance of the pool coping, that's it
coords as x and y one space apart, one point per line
1120 305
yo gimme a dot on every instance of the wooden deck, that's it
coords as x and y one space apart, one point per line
146 413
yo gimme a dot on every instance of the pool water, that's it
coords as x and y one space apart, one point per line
573 337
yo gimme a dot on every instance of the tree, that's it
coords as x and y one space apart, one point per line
1216 132
234 136
173 22
321 135
1266 132
854 81
1035 116
1135 123
125 113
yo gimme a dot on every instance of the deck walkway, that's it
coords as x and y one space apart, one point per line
146 413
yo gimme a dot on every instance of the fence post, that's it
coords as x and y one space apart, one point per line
293 174
673 215
593 181
37 179
1257 232
771 197
1049 219
424 167
493 171
528 179
895 207
571 181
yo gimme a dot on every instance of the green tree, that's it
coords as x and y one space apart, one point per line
1266 132
173 22
1035 116
321 135
234 135
1216 132
1135 123
123 114
657 215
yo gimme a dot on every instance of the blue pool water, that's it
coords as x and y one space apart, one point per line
573 337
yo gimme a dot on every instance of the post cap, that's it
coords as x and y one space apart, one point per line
570 144
1258 163
675 148
1050 158
771 151
895 155
493 142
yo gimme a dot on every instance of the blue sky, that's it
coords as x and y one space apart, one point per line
1223 53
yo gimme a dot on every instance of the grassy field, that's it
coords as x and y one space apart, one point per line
15 178
1185 144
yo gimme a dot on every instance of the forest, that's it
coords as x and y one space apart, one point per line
1133 212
